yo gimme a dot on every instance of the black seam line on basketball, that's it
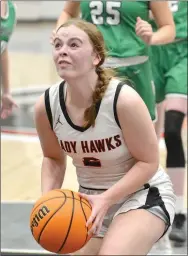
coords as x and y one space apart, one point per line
85 219
45 202
55 198
78 200
50 219
70 224
83 202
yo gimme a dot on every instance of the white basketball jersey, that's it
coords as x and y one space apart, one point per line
99 153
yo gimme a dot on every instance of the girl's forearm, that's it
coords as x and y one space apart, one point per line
64 17
134 179
163 35
71 10
52 174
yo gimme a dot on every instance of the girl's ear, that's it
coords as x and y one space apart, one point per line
96 59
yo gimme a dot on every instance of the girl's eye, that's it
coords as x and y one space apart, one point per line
74 45
57 45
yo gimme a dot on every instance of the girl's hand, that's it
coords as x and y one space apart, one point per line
7 105
144 30
100 205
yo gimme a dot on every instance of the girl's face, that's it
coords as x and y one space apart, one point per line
73 53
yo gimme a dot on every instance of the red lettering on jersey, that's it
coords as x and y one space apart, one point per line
100 145
92 147
84 145
108 143
118 140
73 145
62 146
68 146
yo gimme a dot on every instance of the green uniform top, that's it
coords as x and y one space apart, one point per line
7 25
179 10
116 20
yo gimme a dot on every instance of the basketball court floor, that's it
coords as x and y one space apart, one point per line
21 155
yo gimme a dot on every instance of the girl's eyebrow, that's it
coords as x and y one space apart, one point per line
71 39
56 38
76 38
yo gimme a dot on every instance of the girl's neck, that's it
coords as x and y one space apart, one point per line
80 90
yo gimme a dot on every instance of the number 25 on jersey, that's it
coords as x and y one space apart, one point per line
111 8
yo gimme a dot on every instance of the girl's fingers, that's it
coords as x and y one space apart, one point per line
91 219
143 29
3 115
94 227
84 196
97 223
98 228
146 35
140 27
142 24
15 105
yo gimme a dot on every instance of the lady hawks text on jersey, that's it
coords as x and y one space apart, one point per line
92 146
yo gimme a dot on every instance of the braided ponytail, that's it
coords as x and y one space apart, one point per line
104 77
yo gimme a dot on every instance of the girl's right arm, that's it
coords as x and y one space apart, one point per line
54 159
71 10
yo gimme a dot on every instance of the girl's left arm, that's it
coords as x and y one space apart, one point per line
141 140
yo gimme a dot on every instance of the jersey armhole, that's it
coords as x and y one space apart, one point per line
118 89
149 8
48 108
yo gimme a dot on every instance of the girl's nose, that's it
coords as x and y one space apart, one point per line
63 50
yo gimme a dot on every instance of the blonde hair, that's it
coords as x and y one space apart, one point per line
104 75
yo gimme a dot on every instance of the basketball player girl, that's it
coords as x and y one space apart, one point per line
8 21
105 127
169 65
127 34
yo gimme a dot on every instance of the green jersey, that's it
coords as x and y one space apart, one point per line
179 10
7 25
117 20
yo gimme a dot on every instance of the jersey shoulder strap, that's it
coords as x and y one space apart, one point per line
51 99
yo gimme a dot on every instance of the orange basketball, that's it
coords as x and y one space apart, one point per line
58 221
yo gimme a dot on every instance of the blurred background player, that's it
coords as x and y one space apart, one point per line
8 22
127 35
169 65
